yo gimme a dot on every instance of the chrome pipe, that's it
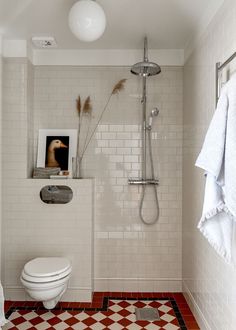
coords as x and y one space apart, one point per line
145 55
144 140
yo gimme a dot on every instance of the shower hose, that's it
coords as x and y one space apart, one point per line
155 219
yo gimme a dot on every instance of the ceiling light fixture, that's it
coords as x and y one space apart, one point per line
87 20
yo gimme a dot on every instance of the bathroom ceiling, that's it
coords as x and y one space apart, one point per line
169 24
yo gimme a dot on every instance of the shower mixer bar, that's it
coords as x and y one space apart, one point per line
143 182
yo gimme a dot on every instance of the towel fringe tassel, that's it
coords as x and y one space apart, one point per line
219 208
222 252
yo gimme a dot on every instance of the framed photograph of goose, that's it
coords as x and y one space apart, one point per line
56 147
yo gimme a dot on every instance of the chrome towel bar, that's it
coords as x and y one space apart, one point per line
219 68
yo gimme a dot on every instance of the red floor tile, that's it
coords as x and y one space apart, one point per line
7 305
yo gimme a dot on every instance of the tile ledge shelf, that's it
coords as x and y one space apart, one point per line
60 180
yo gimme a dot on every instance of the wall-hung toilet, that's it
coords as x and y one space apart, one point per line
46 279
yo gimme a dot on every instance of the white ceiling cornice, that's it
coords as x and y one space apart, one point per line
15 48
109 57
90 57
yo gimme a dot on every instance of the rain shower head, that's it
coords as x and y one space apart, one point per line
145 68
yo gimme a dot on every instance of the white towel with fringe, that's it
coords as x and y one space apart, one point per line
218 159
2 315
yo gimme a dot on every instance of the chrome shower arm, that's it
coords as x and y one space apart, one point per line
144 147
145 55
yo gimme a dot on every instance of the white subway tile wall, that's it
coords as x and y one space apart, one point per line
128 255
15 119
208 280
30 227
1 149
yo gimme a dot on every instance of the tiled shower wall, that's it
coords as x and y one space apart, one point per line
129 255
207 279
0 146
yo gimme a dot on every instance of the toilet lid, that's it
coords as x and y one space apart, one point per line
46 279
44 267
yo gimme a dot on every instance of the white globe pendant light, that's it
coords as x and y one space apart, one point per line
87 20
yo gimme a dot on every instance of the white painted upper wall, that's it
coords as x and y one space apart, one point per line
102 57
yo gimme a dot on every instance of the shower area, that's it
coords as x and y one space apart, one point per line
138 215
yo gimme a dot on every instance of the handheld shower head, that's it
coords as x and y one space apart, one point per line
153 113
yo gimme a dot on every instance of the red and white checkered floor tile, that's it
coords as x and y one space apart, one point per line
120 315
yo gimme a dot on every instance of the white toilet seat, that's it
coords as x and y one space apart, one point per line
35 279
40 286
45 270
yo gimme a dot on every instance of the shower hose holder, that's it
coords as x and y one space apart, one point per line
143 182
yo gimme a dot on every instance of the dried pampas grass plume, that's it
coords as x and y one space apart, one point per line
78 105
85 111
87 108
119 86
